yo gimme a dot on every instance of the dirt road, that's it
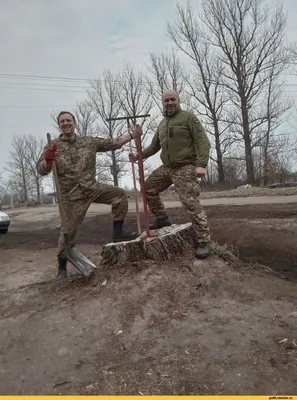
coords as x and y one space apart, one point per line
182 327
33 213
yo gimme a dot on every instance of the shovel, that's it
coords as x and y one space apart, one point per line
149 237
78 260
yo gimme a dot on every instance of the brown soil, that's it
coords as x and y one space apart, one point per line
181 327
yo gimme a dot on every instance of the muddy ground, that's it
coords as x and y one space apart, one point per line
181 327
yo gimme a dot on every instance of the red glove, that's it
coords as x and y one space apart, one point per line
49 154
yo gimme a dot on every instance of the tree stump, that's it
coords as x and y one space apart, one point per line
167 243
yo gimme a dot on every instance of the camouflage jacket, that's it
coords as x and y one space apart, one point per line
181 139
76 164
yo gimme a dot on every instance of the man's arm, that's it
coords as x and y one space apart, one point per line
103 145
201 141
152 149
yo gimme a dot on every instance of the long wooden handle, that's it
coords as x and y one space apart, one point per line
58 190
134 185
135 194
141 173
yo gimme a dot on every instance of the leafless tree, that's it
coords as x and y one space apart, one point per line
234 171
250 41
18 167
32 150
292 49
165 72
85 119
3 188
204 82
135 101
105 102
264 125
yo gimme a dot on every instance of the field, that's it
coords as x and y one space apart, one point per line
225 326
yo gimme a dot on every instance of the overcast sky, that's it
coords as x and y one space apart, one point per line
75 39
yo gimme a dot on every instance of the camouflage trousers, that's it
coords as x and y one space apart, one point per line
188 189
75 210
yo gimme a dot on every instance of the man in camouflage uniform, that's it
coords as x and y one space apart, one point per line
185 150
75 158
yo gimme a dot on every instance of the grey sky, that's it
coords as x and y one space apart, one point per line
76 38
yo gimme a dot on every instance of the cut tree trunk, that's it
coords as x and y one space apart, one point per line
167 243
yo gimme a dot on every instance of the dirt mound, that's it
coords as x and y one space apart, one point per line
182 327
185 327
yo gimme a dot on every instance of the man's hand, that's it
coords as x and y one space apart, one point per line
133 157
49 155
137 131
200 172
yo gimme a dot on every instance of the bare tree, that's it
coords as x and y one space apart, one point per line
204 83
85 118
106 104
234 171
3 188
272 113
18 167
165 72
135 101
292 49
250 40
33 148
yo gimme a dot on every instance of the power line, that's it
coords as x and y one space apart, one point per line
43 89
44 84
64 88
34 106
44 77
65 79
71 79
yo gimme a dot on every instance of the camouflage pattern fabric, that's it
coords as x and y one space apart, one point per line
76 165
188 189
76 168
75 210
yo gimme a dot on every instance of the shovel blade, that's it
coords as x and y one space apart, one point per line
79 261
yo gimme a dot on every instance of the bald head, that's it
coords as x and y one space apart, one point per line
169 93
170 100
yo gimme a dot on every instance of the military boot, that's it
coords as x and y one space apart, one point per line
202 251
62 268
160 223
120 235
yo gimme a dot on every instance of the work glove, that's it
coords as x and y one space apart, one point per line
49 155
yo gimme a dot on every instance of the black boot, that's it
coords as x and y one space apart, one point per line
119 234
62 268
160 223
202 251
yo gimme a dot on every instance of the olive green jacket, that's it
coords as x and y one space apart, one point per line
181 139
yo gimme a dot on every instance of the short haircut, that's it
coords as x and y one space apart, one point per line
66 112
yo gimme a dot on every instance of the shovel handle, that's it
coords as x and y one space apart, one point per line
141 173
58 189
135 194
